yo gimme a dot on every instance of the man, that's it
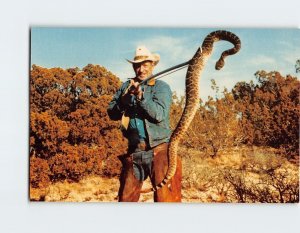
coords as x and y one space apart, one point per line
144 111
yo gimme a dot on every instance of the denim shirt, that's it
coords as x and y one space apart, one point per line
155 106
136 129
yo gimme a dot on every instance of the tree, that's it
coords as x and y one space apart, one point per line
297 66
270 111
71 135
215 125
218 120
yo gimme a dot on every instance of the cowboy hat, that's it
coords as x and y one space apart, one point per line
143 54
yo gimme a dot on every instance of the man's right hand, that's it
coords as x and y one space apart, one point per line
133 89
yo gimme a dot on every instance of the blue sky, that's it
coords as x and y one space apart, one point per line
262 49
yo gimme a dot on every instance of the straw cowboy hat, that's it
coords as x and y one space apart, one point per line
143 54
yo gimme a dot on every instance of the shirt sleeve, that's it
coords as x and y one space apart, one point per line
115 108
157 106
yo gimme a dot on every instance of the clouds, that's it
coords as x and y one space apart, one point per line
261 60
288 51
122 69
172 49
282 58
291 56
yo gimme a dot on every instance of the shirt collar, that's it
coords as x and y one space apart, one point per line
151 82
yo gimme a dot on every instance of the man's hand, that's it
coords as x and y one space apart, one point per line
135 89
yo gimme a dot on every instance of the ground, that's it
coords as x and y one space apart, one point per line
235 175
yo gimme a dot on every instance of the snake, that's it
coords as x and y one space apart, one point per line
195 68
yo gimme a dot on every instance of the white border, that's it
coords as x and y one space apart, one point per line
19 215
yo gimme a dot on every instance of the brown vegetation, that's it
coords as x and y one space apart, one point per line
71 135
269 111
242 146
244 174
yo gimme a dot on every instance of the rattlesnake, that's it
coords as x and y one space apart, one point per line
195 68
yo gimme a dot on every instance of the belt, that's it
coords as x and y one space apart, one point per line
141 146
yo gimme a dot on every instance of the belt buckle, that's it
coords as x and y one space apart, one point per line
142 146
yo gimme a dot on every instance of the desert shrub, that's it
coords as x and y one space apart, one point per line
69 127
176 109
215 125
279 185
39 172
198 176
75 162
262 114
248 175
236 178
47 133
270 111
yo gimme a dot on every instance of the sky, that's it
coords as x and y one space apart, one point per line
262 49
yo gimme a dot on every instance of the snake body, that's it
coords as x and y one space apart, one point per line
195 68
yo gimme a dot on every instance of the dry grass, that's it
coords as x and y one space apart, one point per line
89 189
244 174
92 189
236 175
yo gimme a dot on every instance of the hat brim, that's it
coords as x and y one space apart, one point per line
154 58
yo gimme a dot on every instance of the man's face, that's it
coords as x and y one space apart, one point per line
143 69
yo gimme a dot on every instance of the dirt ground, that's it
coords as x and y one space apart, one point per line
97 189
203 179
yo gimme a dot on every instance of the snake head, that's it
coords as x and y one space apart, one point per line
220 63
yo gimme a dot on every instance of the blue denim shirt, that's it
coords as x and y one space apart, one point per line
136 129
154 106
